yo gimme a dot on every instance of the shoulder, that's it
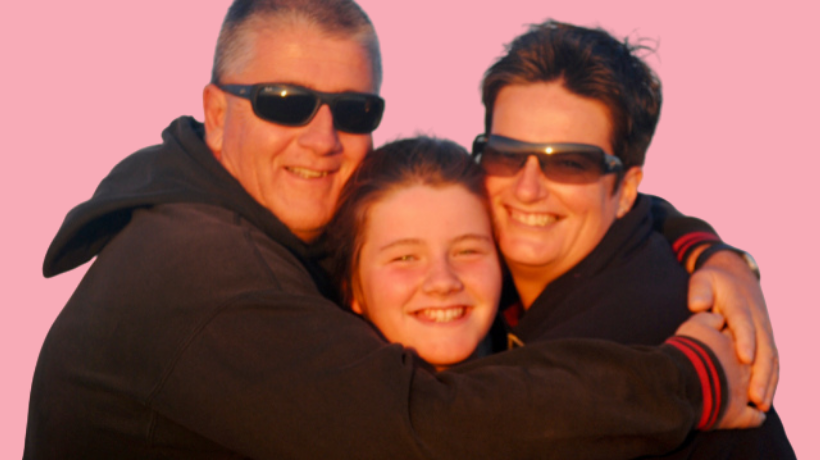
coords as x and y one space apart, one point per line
207 243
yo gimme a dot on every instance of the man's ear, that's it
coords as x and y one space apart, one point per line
629 190
215 103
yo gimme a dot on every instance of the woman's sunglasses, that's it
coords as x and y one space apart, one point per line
291 105
560 162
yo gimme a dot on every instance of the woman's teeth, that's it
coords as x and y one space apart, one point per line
533 219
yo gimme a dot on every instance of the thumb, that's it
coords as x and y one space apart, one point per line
701 292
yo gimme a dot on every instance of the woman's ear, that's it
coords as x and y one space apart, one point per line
629 190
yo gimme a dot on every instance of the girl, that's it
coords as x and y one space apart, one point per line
414 246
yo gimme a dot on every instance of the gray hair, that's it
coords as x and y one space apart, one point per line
338 18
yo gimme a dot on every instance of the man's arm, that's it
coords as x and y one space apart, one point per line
726 283
252 380
710 334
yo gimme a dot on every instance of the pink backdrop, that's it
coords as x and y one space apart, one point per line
87 82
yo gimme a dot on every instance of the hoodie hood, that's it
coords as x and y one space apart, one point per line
182 169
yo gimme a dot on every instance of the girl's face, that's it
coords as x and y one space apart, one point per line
428 274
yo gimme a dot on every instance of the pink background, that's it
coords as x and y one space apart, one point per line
87 82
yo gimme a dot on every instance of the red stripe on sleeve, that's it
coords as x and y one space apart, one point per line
685 242
686 238
710 366
708 403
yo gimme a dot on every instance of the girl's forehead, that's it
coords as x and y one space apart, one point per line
424 213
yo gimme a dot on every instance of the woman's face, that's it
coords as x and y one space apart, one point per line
428 274
541 225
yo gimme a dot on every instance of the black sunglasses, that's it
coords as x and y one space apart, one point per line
560 162
292 105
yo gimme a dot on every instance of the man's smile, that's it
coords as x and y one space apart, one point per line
308 173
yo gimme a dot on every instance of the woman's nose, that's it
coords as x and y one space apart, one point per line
531 184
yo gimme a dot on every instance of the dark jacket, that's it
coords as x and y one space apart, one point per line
200 331
632 290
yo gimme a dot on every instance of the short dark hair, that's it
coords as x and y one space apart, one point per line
394 166
343 18
590 63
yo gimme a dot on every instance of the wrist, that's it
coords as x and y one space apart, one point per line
711 387
692 257
707 253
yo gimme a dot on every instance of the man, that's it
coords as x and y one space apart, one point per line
200 331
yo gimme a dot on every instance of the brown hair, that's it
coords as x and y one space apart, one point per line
590 63
393 166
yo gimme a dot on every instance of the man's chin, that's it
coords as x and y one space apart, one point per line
306 230
309 234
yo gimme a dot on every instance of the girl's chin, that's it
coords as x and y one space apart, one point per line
452 356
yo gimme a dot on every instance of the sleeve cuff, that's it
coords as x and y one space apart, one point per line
685 244
708 379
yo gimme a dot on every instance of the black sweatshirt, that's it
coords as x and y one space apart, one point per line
631 289
201 331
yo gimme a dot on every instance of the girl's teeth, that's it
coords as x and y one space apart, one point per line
442 315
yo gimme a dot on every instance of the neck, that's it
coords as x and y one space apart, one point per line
530 281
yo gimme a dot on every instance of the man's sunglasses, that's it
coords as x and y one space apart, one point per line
560 162
291 105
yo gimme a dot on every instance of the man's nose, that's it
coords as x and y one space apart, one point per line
319 135
531 184
441 278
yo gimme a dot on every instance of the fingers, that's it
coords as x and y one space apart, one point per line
766 368
759 384
765 375
736 294
699 324
768 400
701 292
712 320
743 329
748 417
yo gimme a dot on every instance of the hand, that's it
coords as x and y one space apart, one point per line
706 328
726 285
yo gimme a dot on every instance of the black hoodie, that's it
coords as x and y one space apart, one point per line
200 331
631 289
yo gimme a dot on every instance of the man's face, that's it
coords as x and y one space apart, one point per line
295 172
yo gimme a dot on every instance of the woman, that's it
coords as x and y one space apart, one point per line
570 114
